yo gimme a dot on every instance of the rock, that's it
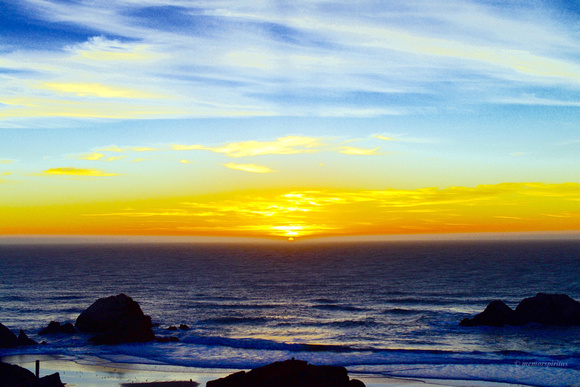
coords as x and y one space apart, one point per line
117 319
496 314
172 328
550 309
25 340
13 375
184 327
47 381
289 373
547 309
7 338
56 327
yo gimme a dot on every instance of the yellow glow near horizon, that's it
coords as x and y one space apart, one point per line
507 207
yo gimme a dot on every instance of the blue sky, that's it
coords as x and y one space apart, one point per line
326 94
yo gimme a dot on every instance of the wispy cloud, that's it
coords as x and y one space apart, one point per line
89 156
249 168
355 60
70 171
6 161
288 145
95 90
350 150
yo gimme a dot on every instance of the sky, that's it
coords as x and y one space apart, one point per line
289 119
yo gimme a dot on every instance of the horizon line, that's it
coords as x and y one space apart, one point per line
31 239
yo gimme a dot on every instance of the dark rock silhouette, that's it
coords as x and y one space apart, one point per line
52 380
15 376
56 327
117 319
172 328
23 339
496 314
289 373
547 309
184 327
9 339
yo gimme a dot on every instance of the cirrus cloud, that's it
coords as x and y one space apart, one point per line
70 171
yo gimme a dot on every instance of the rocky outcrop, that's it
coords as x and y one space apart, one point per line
289 373
15 376
23 339
47 381
56 327
9 339
547 309
116 319
497 314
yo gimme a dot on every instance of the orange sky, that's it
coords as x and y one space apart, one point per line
506 207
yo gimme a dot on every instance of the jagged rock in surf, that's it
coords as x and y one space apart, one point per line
9 339
547 309
56 327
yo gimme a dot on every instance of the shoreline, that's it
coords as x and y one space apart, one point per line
97 372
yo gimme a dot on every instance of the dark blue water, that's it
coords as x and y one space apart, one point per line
374 307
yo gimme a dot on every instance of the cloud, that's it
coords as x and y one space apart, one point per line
115 158
32 107
383 137
91 156
99 48
350 150
95 90
248 168
282 146
70 171
356 60
6 161
536 101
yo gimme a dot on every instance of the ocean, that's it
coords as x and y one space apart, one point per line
388 308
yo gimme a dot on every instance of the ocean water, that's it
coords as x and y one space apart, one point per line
376 308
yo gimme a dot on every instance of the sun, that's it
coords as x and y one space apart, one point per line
290 239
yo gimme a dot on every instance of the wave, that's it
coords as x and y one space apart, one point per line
344 308
234 320
211 305
402 311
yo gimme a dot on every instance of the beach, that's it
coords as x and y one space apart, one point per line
105 374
